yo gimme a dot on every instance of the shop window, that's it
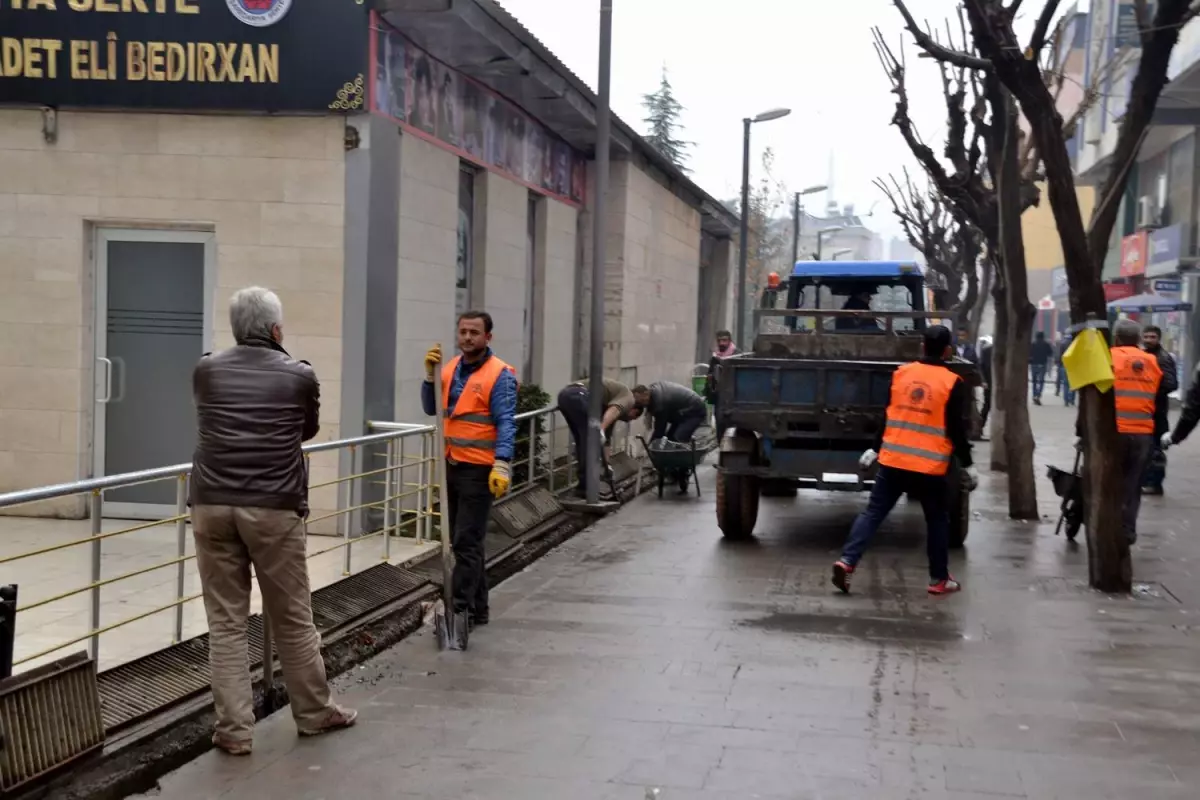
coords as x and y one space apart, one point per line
466 241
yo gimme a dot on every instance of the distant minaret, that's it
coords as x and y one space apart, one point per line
830 203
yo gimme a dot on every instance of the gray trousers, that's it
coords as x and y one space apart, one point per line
1136 450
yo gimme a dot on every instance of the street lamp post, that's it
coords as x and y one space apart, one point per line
744 227
797 210
825 232
599 234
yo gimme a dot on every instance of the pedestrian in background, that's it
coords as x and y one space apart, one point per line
1156 470
573 403
479 399
1040 355
725 348
925 435
255 405
985 369
1062 381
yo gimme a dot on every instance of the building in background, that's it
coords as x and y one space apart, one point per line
1153 246
428 161
844 234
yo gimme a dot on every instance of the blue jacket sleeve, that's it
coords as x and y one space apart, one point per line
503 405
427 403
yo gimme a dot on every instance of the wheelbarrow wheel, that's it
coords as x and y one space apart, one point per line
661 480
737 505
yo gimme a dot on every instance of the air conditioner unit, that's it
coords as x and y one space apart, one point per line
1147 213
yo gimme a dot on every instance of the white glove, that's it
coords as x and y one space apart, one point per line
603 438
1166 441
971 478
1077 443
867 459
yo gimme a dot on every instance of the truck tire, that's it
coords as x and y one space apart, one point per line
737 505
960 514
779 488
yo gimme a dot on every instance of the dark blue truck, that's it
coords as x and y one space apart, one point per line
800 408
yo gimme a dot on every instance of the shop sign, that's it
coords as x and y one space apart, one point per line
1133 254
1046 304
1058 282
427 97
1168 287
1129 34
260 55
1117 291
1163 249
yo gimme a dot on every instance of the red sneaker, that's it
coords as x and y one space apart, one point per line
947 586
841 575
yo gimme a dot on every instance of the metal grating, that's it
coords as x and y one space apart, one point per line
49 716
347 599
522 513
133 691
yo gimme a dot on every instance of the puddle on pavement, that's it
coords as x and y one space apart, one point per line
864 627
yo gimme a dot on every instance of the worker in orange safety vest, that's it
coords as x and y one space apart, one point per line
479 395
925 436
1139 392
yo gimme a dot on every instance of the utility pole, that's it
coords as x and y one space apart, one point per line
796 230
599 258
744 234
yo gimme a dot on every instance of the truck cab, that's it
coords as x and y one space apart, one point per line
811 395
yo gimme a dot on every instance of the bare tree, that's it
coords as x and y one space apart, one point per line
980 126
951 247
1020 69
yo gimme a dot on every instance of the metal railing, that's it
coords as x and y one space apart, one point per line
409 449
394 498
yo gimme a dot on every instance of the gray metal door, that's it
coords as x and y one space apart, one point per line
151 328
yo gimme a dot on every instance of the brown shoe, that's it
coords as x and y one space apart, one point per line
232 746
338 719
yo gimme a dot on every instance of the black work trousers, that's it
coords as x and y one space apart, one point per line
470 502
683 427
573 405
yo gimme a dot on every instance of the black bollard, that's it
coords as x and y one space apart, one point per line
8 628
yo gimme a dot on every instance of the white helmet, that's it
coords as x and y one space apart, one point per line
985 341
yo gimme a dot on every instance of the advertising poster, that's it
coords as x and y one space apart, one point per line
419 92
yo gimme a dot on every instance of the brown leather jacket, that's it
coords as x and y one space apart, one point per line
255 405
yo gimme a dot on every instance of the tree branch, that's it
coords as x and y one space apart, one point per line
937 51
1038 40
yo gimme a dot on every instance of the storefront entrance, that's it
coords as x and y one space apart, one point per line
153 316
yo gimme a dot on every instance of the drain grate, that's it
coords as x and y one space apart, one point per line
347 599
133 691
49 716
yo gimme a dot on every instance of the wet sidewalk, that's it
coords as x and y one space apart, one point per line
646 652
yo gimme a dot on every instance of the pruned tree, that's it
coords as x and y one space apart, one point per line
980 129
663 117
1021 69
951 247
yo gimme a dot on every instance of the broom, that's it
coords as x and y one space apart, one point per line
451 628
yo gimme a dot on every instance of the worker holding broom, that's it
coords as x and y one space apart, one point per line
479 398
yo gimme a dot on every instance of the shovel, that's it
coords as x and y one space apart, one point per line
451 628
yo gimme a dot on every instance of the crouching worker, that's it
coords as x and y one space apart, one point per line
479 398
677 413
925 433
573 403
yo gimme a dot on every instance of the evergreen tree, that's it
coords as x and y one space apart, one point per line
663 112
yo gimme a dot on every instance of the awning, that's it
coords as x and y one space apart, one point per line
1148 303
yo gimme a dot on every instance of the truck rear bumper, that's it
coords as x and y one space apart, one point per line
826 482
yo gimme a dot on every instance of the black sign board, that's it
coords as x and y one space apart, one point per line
260 55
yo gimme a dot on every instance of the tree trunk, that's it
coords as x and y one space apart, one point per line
999 381
1110 568
1018 435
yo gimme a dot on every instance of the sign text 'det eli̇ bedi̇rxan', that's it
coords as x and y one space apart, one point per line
268 55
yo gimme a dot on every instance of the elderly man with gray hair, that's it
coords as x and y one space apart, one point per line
255 405
1141 395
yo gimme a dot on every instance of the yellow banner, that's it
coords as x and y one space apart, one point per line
1088 361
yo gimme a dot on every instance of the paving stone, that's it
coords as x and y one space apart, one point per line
648 652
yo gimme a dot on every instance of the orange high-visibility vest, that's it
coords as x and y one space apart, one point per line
470 433
915 437
1136 377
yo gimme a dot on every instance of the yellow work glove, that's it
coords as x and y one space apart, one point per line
500 479
433 357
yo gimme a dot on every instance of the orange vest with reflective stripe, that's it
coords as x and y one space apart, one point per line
1136 377
915 437
470 434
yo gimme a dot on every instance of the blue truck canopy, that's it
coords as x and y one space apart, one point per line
854 269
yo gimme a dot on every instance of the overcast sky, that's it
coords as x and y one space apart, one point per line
730 60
